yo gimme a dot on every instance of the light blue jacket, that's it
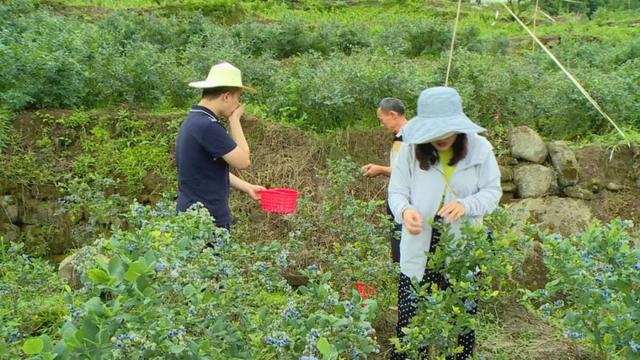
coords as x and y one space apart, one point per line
475 183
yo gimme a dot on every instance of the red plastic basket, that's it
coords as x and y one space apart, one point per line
365 290
279 200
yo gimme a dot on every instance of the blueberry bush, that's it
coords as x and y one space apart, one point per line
594 293
174 284
478 266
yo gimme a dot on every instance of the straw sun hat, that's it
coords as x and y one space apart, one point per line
223 74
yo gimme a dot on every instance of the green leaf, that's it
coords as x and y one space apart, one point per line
33 346
263 313
143 284
150 257
90 330
115 268
323 346
47 343
3 348
189 291
176 349
60 349
327 350
135 270
99 276
69 334
94 305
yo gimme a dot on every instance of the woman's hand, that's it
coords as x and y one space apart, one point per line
452 211
412 220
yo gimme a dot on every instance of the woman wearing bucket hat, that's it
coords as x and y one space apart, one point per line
204 149
444 171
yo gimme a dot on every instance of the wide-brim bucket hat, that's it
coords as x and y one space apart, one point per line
439 116
222 75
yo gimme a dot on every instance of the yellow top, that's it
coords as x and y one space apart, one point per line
444 157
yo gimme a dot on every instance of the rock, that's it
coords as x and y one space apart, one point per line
295 279
506 173
505 160
47 239
8 186
614 187
635 167
533 180
554 189
46 192
527 144
9 209
508 187
577 193
66 271
506 198
9 232
67 268
595 184
564 162
565 216
534 274
39 212
155 198
153 182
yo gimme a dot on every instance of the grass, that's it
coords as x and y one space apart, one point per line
613 138
507 330
609 28
111 4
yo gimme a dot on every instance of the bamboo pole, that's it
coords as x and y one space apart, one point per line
453 41
567 73
535 19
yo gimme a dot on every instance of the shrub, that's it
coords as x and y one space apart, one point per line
341 91
31 299
595 288
478 268
162 290
334 230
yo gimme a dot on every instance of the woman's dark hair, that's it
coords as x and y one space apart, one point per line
427 154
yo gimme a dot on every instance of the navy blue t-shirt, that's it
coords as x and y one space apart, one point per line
203 175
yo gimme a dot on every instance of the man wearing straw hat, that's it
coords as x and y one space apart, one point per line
205 150
391 115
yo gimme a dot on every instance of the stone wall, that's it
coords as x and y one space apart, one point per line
30 215
549 184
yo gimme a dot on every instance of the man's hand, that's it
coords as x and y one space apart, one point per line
452 211
373 170
237 113
254 191
412 220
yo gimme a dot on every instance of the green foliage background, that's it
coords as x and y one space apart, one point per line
319 64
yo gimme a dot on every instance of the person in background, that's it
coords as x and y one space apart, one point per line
444 171
205 150
391 115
